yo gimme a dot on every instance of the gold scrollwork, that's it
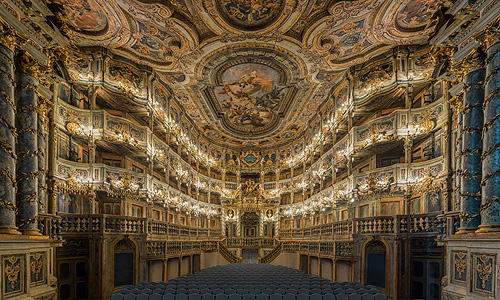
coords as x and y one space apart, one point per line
460 263
36 265
12 270
484 270
250 158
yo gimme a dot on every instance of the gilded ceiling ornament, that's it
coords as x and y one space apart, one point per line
250 158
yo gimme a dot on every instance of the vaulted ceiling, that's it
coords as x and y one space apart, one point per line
248 72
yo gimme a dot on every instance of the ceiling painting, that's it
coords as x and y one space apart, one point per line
250 14
248 74
416 13
250 95
85 15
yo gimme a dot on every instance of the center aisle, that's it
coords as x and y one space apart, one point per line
249 282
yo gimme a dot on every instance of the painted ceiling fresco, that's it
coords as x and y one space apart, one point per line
249 73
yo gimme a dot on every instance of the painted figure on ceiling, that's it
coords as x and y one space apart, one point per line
84 14
250 13
250 94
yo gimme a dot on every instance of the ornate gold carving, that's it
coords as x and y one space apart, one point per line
460 263
489 36
73 128
44 105
457 103
124 187
473 61
12 270
427 126
36 265
484 270
10 38
441 54
73 185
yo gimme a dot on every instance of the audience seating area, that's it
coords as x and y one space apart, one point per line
249 282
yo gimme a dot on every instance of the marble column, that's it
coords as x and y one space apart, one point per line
42 161
490 207
7 135
458 160
470 154
27 144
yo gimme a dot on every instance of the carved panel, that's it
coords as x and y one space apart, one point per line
37 268
483 273
459 266
13 274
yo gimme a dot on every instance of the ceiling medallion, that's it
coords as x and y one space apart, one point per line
250 14
250 158
250 94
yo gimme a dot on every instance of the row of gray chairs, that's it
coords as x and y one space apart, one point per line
233 282
252 292
248 297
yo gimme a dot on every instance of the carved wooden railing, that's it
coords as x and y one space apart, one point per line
228 255
333 249
450 222
237 242
269 257
163 249
84 224
381 225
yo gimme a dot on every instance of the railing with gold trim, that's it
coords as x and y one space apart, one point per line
228 255
338 249
243 242
422 223
83 224
165 249
269 257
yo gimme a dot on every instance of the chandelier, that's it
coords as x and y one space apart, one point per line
123 187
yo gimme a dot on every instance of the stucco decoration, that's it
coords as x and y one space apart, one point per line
250 14
249 74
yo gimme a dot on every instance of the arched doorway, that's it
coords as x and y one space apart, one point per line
376 263
124 255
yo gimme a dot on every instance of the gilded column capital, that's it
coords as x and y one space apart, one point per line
44 105
25 63
489 36
442 54
457 102
472 62
10 38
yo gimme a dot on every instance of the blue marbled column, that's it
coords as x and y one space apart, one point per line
42 165
458 161
472 144
27 148
490 215
7 143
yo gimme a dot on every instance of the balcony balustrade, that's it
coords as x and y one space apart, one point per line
381 225
390 127
85 224
237 242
